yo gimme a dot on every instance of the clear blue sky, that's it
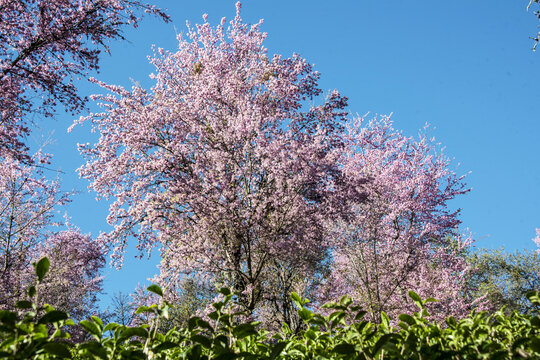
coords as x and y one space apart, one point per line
465 67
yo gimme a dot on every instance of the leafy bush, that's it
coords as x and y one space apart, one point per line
40 332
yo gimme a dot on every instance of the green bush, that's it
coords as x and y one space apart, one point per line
40 332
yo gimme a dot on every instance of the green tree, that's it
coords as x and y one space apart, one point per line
505 278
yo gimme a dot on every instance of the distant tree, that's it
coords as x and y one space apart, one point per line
405 236
123 309
505 278
192 298
45 47
27 207
29 230
224 164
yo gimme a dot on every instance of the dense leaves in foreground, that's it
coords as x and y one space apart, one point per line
40 332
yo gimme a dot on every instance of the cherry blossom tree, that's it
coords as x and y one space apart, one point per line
74 281
404 237
30 230
27 203
223 164
45 46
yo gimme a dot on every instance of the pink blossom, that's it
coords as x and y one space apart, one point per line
222 164
45 46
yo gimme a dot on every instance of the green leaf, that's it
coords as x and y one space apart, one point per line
225 291
111 326
32 291
276 351
57 349
203 340
499 355
407 318
417 300
155 289
385 320
534 297
133 331
345 301
164 346
214 315
91 327
360 315
221 342
132 354
196 352
226 356
243 330
337 316
296 298
305 314
285 329
7 316
23 304
329 305
141 309
205 325
98 321
53 316
381 342
451 322
192 322
344 348
535 344
94 348
42 267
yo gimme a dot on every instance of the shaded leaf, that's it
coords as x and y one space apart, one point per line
57 349
23 304
344 348
42 267
155 289
53 316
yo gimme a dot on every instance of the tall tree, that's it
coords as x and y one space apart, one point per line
404 236
222 164
45 46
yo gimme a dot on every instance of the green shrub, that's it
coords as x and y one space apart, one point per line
39 332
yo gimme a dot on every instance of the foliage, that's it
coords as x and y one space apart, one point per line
506 278
36 332
405 235
224 166
45 47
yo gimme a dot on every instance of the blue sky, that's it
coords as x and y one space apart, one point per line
465 67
